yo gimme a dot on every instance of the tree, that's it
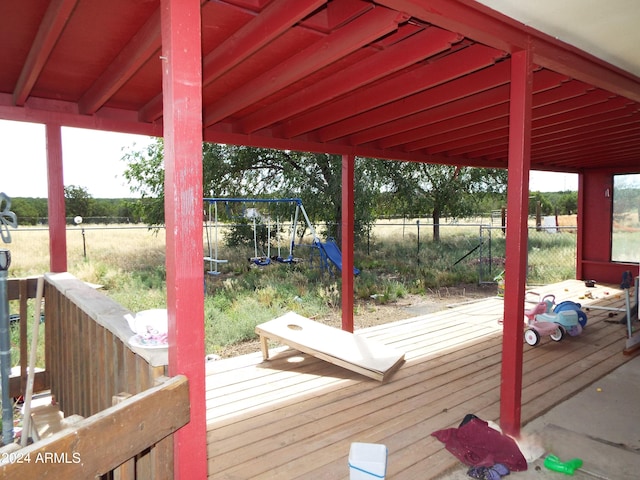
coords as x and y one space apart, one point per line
443 190
78 201
238 171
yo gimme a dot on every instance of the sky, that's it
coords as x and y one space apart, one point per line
92 159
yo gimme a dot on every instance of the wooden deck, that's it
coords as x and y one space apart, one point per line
294 417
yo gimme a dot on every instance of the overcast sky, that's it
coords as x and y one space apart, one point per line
92 159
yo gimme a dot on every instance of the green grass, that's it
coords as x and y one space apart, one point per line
130 265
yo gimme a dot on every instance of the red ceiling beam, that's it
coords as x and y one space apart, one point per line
621 123
221 133
582 156
580 124
273 21
53 23
544 126
38 110
480 23
403 130
446 80
464 125
480 149
608 136
400 55
371 97
133 56
356 34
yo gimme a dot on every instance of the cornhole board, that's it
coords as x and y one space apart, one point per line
345 349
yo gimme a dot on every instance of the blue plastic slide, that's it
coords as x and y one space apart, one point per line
332 253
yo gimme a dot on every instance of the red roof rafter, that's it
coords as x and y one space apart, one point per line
400 55
51 28
138 51
363 30
436 87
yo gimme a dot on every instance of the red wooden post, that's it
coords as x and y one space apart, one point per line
516 241
56 204
182 99
348 164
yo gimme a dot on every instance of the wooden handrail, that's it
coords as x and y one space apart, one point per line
23 290
123 431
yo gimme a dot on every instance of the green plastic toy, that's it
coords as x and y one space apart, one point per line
552 462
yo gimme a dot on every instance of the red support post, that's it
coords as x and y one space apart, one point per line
348 165
56 204
516 241
182 96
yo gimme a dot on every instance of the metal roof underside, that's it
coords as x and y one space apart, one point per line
398 79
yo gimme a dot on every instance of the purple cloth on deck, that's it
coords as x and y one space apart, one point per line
477 444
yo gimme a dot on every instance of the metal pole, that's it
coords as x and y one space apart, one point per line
5 349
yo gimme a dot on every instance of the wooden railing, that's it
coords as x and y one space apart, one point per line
88 357
22 290
89 363
106 441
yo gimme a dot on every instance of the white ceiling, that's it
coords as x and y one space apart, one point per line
608 29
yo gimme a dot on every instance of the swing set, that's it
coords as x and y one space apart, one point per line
212 226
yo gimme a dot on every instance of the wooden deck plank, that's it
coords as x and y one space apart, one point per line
297 420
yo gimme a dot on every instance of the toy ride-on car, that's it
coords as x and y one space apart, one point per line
543 319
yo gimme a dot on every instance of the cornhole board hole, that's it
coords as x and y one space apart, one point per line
345 349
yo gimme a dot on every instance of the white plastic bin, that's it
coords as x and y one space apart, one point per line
367 461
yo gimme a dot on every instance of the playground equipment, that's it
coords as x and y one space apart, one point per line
213 246
330 255
545 319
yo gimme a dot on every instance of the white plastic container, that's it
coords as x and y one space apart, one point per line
367 461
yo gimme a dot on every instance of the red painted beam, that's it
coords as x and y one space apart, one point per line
356 34
51 28
557 123
446 80
39 110
398 56
182 91
144 44
471 134
587 144
618 126
347 225
273 21
545 111
403 131
480 23
516 242
55 200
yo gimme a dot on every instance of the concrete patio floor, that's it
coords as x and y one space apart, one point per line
600 425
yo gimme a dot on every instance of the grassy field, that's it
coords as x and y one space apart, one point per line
399 258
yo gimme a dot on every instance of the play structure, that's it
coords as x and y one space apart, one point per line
328 252
546 318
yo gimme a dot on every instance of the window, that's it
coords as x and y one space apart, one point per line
625 245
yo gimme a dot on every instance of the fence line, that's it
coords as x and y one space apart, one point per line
551 249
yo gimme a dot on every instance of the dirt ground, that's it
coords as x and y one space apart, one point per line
370 313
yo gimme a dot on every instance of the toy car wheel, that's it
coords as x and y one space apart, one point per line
531 337
558 334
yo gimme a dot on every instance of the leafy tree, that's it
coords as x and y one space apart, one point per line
442 190
78 201
245 172
145 174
